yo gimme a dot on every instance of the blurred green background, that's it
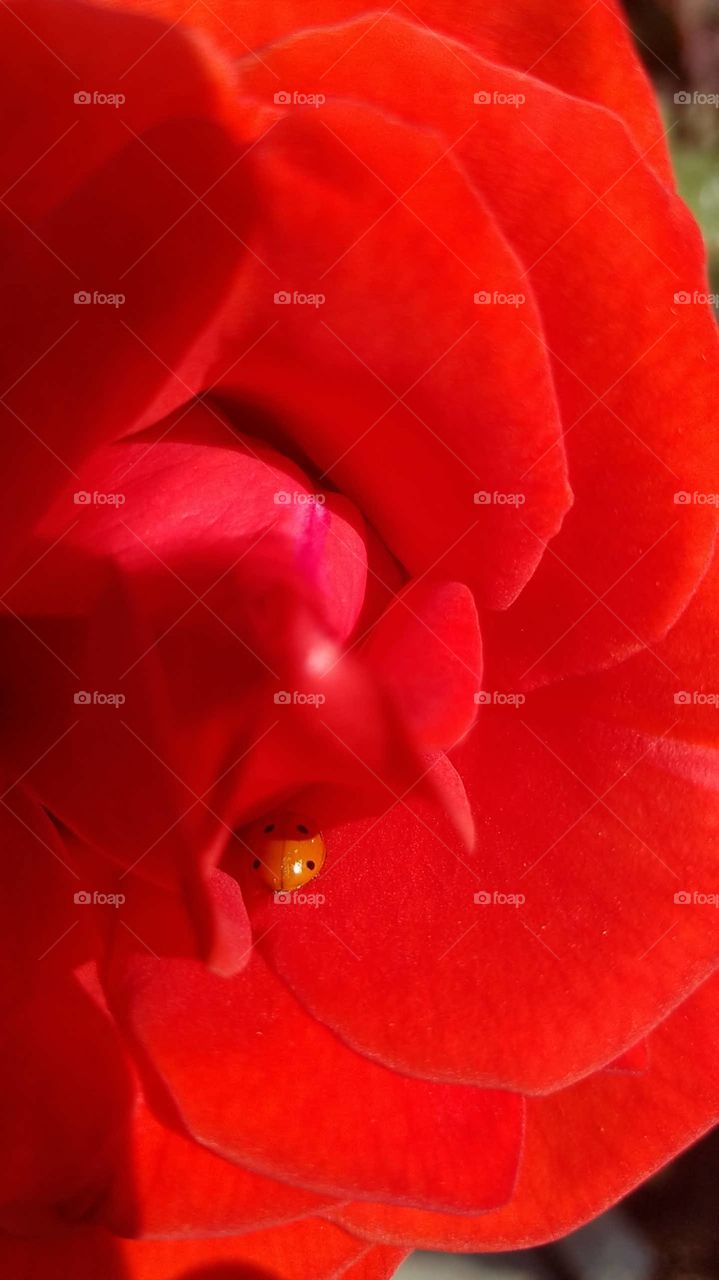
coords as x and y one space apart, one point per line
698 177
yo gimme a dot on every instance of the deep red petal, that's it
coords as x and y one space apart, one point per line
65 1085
192 653
311 1250
100 199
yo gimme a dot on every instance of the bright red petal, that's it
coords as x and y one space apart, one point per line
585 834
586 1146
257 1080
586 51
458 402
610 252
426 648
169 1186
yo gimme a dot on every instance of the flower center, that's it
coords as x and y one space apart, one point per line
286 850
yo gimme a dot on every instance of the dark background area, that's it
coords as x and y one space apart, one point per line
678 41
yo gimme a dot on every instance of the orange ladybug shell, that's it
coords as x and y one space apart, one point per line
287 850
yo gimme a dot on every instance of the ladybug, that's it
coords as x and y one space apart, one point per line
287 850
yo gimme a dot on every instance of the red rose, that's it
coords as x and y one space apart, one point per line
329 349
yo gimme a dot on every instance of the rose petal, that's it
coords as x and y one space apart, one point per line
73 375
457 402
258 1081
427 650
609 253
171 1187
281 1254
65 1085
597 828
565 46
621 1128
